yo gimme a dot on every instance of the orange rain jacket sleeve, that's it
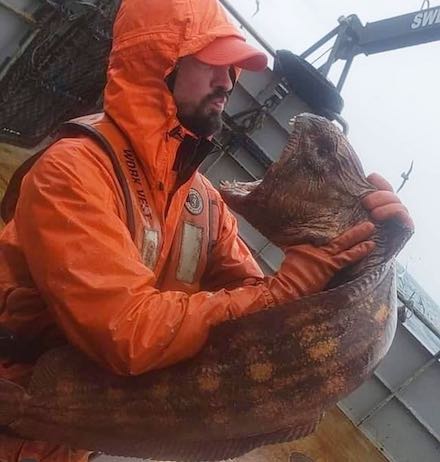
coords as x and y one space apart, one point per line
86 266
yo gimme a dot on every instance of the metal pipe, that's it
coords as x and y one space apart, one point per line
325 69
425 320
427 323
344 74
248 27
321 42
342 122
25 16
5 68
18 54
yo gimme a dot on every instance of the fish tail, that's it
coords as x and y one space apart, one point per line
11 401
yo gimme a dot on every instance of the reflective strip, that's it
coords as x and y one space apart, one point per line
150 246
190 250
214 220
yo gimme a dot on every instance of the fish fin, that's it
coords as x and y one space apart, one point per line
11 401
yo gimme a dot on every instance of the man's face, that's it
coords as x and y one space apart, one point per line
200 93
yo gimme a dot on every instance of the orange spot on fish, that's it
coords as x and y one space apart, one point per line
382 314
322 350
208 383
261 372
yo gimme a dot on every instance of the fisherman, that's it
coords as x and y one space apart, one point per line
139 288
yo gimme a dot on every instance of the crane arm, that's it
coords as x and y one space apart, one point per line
398 32
353 38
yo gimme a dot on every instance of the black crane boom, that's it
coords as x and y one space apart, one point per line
353 38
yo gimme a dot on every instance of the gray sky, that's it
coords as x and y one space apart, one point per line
392 103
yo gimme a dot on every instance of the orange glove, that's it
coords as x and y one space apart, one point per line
307 269
384 203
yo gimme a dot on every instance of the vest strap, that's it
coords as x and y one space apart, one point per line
97 136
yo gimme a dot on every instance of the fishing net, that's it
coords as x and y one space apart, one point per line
60 73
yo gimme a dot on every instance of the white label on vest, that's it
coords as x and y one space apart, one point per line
150 245
190 250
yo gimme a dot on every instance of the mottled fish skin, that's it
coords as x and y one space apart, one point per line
312 194
262 379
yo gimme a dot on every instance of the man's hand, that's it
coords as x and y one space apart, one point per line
384 203
307 269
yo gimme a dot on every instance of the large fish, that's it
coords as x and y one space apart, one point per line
262 379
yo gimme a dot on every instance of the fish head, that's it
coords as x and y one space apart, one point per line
313 192
325 180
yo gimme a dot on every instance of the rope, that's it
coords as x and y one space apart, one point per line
257 4
323 54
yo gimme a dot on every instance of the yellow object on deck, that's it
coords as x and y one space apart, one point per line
11 157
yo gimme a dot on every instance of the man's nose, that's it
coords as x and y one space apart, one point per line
222 78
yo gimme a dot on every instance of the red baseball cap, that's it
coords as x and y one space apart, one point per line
232 50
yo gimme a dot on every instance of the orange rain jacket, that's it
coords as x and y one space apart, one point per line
68 265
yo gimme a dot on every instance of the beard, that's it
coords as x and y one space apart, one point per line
200 119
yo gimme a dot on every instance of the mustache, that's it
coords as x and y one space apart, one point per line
218 93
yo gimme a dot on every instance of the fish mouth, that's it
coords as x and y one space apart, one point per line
238 188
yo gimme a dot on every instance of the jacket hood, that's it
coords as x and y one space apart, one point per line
148 39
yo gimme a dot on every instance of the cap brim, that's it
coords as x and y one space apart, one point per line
228 51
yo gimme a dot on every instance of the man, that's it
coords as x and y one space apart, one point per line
137 287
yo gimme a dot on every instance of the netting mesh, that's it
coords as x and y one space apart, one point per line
61 74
